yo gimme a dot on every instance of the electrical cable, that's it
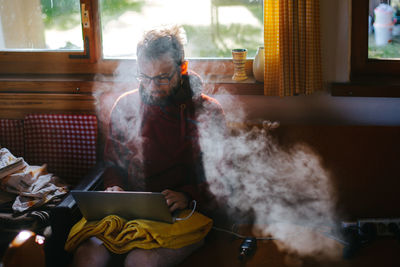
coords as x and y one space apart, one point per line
241 236
327 234
334 237
191 213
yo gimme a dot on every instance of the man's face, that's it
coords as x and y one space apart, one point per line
159 79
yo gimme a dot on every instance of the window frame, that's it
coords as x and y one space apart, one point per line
90 61
363 67
51 62
368 77
57 73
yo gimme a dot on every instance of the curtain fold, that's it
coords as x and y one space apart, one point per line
292 47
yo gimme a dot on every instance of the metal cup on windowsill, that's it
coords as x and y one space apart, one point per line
239 60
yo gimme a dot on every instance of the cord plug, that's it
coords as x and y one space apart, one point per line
247 247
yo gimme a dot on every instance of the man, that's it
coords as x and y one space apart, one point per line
153 142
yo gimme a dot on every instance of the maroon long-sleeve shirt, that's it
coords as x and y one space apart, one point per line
155 147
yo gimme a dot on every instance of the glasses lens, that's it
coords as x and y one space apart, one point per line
157 80
161 81
143 79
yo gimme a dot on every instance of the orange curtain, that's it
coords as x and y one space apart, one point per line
292 47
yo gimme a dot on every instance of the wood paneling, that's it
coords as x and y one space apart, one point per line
363 162
363 159
57 94
16 106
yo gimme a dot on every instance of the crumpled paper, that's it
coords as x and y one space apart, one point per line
33 185
9 163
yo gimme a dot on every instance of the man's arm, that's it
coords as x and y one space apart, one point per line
211 125
114 176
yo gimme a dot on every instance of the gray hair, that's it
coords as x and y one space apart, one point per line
158 42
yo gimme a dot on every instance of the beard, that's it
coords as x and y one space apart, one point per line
162 100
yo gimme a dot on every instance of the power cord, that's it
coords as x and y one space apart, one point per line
248 245
191 213
239 235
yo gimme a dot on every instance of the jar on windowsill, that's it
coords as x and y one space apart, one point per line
258 65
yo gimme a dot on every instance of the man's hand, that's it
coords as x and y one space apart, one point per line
175 200
114 188
269 125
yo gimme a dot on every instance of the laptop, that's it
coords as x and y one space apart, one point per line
130 205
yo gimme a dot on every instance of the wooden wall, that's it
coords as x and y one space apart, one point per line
18 98
363 159
364 162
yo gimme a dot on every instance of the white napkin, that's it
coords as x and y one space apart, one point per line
33 185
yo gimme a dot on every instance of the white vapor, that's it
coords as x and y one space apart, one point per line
287 190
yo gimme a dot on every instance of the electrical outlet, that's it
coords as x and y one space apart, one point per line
348 224
382 226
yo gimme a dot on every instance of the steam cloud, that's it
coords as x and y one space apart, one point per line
287 190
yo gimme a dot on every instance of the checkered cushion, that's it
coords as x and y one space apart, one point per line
12 136
67 143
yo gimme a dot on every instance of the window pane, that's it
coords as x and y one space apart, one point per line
40 25
384 29
212 27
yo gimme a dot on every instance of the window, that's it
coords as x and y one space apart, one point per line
46 36
384 29
212 27
94 36
371 75
29 26
363 66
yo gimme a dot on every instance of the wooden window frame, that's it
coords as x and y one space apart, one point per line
368 77
51 67
90 61
57 62
361 65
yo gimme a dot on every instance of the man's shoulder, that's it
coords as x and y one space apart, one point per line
132 95
126 106
128 100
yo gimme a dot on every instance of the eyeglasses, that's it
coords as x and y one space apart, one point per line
158 80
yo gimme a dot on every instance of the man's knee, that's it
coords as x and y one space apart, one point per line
91 253
160 256
142 257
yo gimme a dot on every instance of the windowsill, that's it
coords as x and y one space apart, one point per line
366 89
83 84
223 84
212 79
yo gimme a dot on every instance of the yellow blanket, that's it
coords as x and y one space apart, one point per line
120 235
